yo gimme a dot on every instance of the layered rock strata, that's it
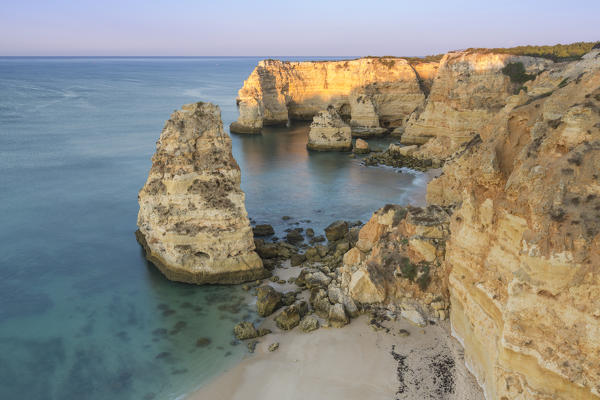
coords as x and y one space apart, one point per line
192 220
524 249
328 132
468 90
376 93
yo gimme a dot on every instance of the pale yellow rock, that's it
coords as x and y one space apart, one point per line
524 249
425 249
372 91
403 150
363 290
469 89
328 132
192 220
353 257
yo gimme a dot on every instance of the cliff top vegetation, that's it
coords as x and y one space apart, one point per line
558 52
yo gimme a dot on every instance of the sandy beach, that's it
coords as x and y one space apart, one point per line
350 363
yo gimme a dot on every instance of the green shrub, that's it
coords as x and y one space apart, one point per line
424 279
516 72
408 269
558 52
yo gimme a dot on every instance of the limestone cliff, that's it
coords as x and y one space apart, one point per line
376 93
192 220
468 90
524 248
328 132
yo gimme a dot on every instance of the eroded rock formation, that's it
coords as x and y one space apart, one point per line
518 252
192 221
377 93
328 132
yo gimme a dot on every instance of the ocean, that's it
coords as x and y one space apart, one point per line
82 313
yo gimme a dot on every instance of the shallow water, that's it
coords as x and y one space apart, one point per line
82 314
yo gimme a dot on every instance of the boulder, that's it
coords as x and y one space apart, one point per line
337 316
263 230
267 300
361 147
336 231
309 324
289 318
245 330
294 237
363 288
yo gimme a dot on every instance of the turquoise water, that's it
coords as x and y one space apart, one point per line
82 314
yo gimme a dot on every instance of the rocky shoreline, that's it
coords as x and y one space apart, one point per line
507 247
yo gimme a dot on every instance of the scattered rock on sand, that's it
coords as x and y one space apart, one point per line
289 318
309 324
273 346
337 316
267 300
411 313
252 345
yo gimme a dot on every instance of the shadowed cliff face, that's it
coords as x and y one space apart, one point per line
277 91
192 220
524 248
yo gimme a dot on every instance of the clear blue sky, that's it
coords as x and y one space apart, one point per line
283 27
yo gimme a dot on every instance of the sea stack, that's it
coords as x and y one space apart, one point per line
192 221
328 132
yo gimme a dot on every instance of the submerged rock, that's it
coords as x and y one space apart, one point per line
192 220
263 230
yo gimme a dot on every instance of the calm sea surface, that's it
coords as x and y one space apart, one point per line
82 314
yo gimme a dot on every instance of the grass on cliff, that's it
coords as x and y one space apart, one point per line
558 52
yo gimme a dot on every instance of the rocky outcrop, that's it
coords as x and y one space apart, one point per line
467 92
524 249
375 93
398 259
328 132
192 219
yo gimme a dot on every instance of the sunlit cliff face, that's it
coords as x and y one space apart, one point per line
524 249
277 91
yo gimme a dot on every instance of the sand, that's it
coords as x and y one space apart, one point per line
350 363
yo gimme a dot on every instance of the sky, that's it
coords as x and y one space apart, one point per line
286 28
